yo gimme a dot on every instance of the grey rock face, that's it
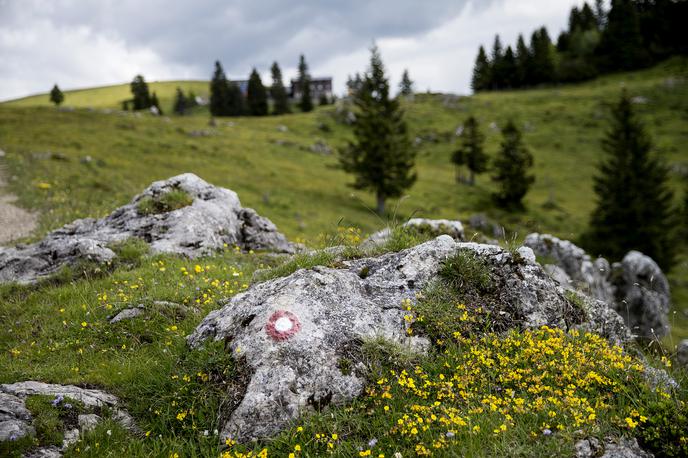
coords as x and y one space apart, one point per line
636 287
214 218
126 314
16 419
682 353
291 332
623 448
591 277
643 295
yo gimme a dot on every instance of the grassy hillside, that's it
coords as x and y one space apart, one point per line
112 96
86 162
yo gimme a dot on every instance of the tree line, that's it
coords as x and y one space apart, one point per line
227 99
632 34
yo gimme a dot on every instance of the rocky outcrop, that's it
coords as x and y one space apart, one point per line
292 333
621 448
432 227
16 420
643 297
682 353
635 287
209 218
584 274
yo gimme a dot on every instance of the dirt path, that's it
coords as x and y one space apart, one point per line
15 222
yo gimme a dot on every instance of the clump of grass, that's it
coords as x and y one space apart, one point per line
52 415
173 199
130 252
296 262
466 269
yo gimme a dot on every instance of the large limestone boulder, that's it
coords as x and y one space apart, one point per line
16 420
291 333
214 217
643 296
585 274
635 287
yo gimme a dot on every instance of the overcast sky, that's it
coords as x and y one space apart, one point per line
84 43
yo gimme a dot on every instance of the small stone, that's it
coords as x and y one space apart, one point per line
88 421
126 314
682 353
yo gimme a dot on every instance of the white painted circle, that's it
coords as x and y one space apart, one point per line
283 324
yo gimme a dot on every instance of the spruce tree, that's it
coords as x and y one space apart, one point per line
523 62
406 85
497 68
381 157
256 96
219 92
56 96
511 169
621 45
280 101
543 57
155 103
634 201
509 69
481 72
471 153
141 96
235 105
306 102
180 103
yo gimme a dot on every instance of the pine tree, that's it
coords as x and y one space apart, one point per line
306 102
509 69
406 85
180 104
497 69
511 169
621 46
278 92
219 92
481 72
235 105
543 70
139 89
256 95
523 59
471 152
191 100
634 200
56 96
381 157
155 103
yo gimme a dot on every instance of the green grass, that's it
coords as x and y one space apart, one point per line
173 199
60 331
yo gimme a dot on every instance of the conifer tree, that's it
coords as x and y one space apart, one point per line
481 72
621 46
406 85
509 69
497 68
180 103
543 70
191 100
278 92
219 92
256 96
306 102
471 152
634 200
155 103
139 89
511 169
56 96
523 63
381 157
235 105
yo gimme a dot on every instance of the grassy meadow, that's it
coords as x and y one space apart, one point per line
88 158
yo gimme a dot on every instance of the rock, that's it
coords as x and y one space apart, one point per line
588 448
291 333
625 448
71 436
432 227
15 418
44 452
559 275
320 147
282 128
591 277
682 353
2 153
642 295
87 422
126 314
214 218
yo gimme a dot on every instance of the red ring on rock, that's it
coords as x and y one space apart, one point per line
278 331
